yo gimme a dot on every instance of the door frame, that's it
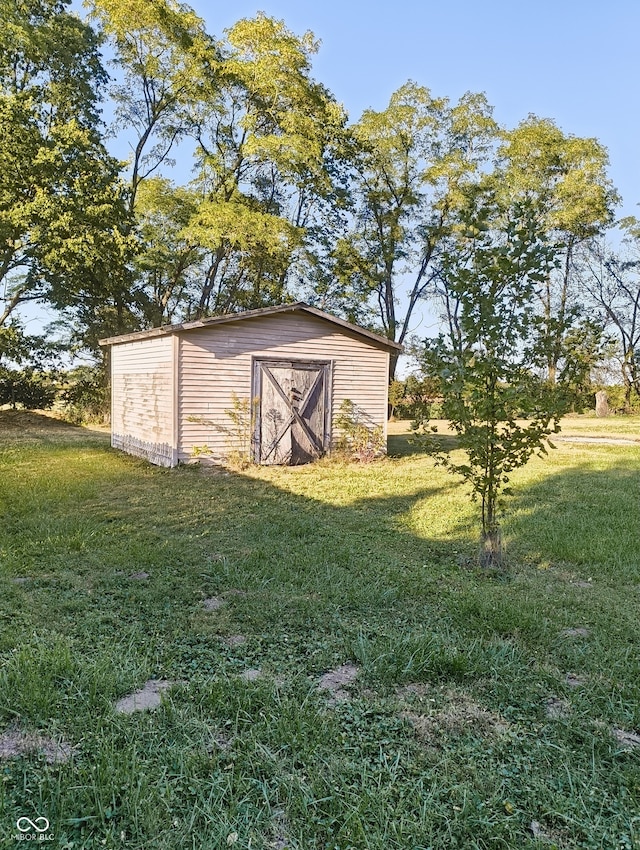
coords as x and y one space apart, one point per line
256 395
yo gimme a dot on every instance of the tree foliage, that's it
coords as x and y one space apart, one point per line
564 180
164 55
411 165
61 203
612 279
264 147
29 368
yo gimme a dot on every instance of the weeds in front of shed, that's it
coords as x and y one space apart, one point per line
238 454
359 437
445 738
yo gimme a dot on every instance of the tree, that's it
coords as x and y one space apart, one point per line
62 211
411 164
29 368
486 359
263 132
587 346
612 279
564 179
168 264
264 151
166 59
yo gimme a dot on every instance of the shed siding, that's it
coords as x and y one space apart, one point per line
216 363
142 399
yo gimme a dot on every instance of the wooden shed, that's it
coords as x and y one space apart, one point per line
280 373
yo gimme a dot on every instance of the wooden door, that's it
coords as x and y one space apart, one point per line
293 422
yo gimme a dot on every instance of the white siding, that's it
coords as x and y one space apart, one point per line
215 363
142 399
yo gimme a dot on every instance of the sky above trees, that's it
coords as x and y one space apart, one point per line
574 61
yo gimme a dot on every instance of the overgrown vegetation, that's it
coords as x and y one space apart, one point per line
359 438
480 711
238 433
85 396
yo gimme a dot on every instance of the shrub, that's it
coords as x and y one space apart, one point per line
86 397
415 398
27 388
360 438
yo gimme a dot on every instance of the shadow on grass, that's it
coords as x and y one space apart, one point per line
28 426
405 445
581 515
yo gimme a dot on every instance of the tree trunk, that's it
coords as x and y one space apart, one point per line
490 555
393 365
602 404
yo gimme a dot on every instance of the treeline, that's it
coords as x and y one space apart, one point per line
287 199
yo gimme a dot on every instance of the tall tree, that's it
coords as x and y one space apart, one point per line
265 142
168 263
412 163
62 211
564 178
164 57
263 132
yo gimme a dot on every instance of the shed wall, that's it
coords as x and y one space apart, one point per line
216 363
142 401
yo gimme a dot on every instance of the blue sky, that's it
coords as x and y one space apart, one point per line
577 63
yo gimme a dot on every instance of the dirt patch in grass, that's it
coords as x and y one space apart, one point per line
336 682
629 740
146 699
458 715
141 576
251 675
221 740
234 640
574 680
599 441
15 743
413 689
214 603
544 833
280 839
556 708
579 631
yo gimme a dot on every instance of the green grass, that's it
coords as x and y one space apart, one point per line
335 564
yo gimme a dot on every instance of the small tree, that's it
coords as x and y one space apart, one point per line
486 359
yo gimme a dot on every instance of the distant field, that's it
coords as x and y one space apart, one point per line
624 426
463 710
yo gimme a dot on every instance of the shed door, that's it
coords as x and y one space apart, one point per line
293 420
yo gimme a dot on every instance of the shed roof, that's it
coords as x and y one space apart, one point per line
296 307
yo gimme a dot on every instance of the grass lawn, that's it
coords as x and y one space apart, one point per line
487 712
